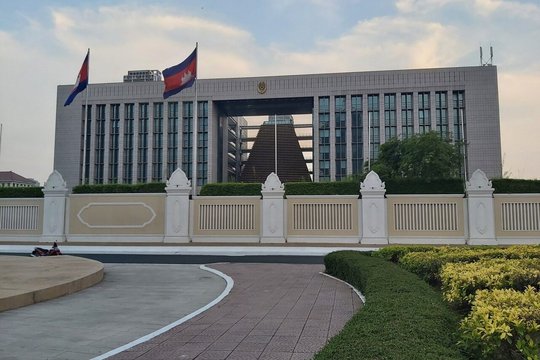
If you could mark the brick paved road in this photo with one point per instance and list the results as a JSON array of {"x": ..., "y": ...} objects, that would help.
[{"x": 275, "y": 311}]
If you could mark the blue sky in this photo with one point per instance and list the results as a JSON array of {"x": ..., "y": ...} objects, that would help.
[{"x": 43, "y": 43}]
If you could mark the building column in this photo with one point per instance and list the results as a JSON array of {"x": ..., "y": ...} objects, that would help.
[
  {"x": 55, "y": 194},
  {"x": 273, "y": 210},
  {"x": 480, "y": 210}
]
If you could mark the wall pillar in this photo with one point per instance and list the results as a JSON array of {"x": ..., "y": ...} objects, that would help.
[
  {"x": 374, "y": 217},
  {"x": 480, "y": 210},
  {"x": 55, "y": 194},
  {"x": 177, "y": 208},
  {"x": 273, "y": 210}
]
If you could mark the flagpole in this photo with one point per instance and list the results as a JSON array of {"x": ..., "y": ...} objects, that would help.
[
  {"x": 83, "y": 180},
  {"x": 275, "y": 142},
  {"x": 195, "y": 144}
]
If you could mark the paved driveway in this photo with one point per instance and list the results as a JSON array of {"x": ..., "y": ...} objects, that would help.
[{"x": 274, "y": 311}]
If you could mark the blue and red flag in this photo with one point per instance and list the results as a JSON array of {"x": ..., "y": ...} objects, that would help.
[
  {"x": 181, "y": 76},
  {"x": 82, "y": 81}
]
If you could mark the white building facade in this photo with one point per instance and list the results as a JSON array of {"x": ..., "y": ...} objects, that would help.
[{"x": 134, "y": 136}]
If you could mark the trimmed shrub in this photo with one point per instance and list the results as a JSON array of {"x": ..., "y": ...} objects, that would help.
[
  {"x": 460, "y": 282},
  {"x": 428, "y": 264},
  {"x": 21, "y": 192},
  {"x": 503, "y": 324},
  {"x": 403, "y": 318},
  {"x": 516, "y": 186},
  {"x": 231, "y": 189},
  {"x": 119, "y": 188},
  {"x": 424, "y": 186},
  {"x": 323, "y": 188},
  {"x": 394, "y": 253}
]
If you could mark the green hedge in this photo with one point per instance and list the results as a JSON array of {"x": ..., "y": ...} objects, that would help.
[
  {"x": 323, "y": 188},
  {"x": 403, "y": 318},
  {"x": 516, "y": 186},
  {"x": 21, "y": 192},
  {"x": 423, "y": 186},
  {"x": 231, "y": 189},
  {"x": 119, "y": 188},
  {"x": 394, "y": 253}
]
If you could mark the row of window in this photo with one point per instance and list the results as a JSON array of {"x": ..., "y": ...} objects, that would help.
[
  {"x": 390, "y": 108},
  {"x": 128, "y": 151}
]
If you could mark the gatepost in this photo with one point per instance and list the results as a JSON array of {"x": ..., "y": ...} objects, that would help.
[
  {"x": 55, "y": 194},
  {"x": 480, "y": 210},
  {"x": 177, "y": 208},
  {"x": 272, "y": 215},
  {"x": 374, "y": 218}
]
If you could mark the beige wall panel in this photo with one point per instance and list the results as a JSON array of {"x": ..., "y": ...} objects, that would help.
[
  {"x": 517, "y": 215},
  {"x": 227, "y": 216},
  {"x": 425, "y": 215},
  {"x": 20, "y": 216},
  {"x": 142, "y": 214},
  {"x": 322, "y": 216}
]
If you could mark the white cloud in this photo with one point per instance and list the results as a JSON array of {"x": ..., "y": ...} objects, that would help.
[{"x": 123, "y": 38}]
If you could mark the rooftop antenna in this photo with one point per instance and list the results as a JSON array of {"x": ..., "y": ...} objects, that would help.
[{"x": 489, "y": 62}]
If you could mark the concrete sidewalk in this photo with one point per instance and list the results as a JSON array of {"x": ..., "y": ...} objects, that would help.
[{"x": 132, "y": 301}]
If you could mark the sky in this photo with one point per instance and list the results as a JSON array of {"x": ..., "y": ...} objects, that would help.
[{"x": 43, "y": 43}]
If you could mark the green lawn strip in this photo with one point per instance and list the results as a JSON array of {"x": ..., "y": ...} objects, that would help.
[{"x": 403, "y": 318}]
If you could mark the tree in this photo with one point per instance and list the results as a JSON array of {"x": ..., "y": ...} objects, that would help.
[{"x": 426, "y": 156}]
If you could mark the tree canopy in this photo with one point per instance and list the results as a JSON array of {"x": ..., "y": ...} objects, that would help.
[{"x": 423, "y": 155}]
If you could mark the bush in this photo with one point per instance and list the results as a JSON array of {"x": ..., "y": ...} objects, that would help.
[
  {"x": 460, "y": 282},
  {"x": 394, "y": 253},
  {"x": 119, "y": 188},
  {"x": 503, "y": 324},
  {"x": 516, "y": 186},
  {"x": 403, "y": 318},
  {"x": 323, "y": 188},
  {"x": 21, "y": 192},
  {"x": 423, "y": 186},
  {"x": 428, "y": 264},
  {"x": 231, "y": 189}
]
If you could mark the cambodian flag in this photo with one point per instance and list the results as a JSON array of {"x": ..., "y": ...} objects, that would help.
[
  {"x": 181, "y": 76},
  {"x": 82, "y": 81}
]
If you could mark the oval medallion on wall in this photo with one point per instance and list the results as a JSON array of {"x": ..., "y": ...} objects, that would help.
[{"x": 261, "y": 87}]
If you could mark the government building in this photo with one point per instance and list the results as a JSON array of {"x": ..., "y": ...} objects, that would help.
[{"x": 134, "y": 136}]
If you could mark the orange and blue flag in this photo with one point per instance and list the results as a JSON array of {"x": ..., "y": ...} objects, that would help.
[
  {"x": 82, "y": 81},
  {"x": 181, "y": 76}
]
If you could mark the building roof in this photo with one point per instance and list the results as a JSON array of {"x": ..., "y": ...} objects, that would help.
[{"x": 10, "y": 176}]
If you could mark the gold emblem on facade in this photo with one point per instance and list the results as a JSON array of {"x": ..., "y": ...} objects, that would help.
[{"x": 261, "y": 87}]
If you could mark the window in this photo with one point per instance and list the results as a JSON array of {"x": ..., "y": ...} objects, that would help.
[
  {"x": 424, "y": 108},
  {"x": 324, "y": 138},
  {"x": 340, "y": 137},
  {"x": 357, "y": 134},
  {"x": 441, "y": 113},
  {"x": 407, "y": 127},
  {"x": 100, "y": 144},
  {"x": 202, "y": 143},
  {"x": 187, "y": 136},
  {"x": 86, "y": 149},
  {"x": 114, "y": 133},
  {"x": 142, "y": 157},
  {"x": 128, "y": 144},
  {"x": 459, "y": 114},
  {"x": 390, "y": 125},
  {"x": 157, "y": 137},
  {"x": 374, "y": 127},
  {"x": 172, "y": 138}
]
